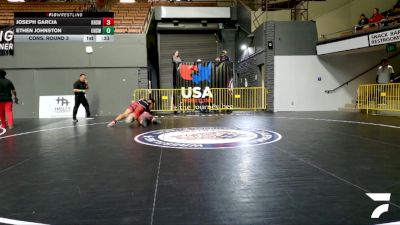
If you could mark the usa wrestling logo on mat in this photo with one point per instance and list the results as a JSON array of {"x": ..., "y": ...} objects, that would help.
[{"x": 207, "y": 137}]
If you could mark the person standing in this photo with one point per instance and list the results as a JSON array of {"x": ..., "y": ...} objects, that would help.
[
  {"x": 176, "y": 60},
  {"x": 384, "y": 76},
  {"x": 224, "y": 56},
  {"x": 385, "y": 72},
  {"x": 7, "y": 90},
  {"x": 81, "y": 86}
]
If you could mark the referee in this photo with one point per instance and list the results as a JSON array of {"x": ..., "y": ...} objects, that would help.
[{"x": 80, "y": 88}]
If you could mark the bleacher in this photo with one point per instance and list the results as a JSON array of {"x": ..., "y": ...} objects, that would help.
[
  {"x": 392, "y": 20},
  {"x": 129, "y": 18},
  {"x": 7, "y": 9}
]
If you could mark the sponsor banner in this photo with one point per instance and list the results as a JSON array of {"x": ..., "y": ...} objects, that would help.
[
  {"x": 7, "y": 41},
  {"x": 58, "y": 106},
  {"x": 385, "y": 37}
]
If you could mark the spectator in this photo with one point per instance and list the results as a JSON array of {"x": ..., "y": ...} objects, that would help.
[
  {"x": 376, "y": 17},
  {"x": 176, "y": 60},
  {"x": 384, "y": 76},
  {"x": 362, "y": 22},
  {"x": 385, "y": 72},
  {"x": 7, "y": 90},
  {"x": 224, "y": 56}
]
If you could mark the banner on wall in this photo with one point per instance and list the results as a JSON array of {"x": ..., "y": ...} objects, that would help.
[
  {"x": 202, "y": 74},
  {"x": 58, "y": 106},
  {"x": 6, "y": 41},
  {"x": 385, "y": 37}
]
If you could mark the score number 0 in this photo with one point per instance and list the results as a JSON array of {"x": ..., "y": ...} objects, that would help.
[{"x": 108, "y": 25}]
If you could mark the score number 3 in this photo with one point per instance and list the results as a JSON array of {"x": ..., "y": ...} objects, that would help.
[{"x": 108, "y": 21}]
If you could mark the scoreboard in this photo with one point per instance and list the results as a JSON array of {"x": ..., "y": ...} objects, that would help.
[{"x": 63, "y": 26}]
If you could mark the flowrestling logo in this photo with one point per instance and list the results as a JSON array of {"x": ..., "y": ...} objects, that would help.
[
  {"x": 207, "y": 137},
  {"x": 379, "y": 197}
]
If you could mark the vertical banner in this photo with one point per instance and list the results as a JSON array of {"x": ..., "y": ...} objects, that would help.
[
  {"x": 6, "y": 41},
  {"x": 202, "y": 74},
  {"x": 196, "y": 80},
  {"x": 58, "y": 106}
]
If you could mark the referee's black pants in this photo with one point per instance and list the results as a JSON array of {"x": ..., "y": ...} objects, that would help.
[{"x": 80, "y": 99}]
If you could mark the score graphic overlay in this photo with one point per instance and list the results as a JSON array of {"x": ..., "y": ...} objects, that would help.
[{"x": 63, "y": 27}]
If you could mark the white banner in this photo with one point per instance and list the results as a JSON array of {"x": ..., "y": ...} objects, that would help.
[
  {"x": 7, "y": 41},
  {"x": 385, "y": 37},
  {"x": 343, "y": 45},
  {"x": 58, "y": 106},
  {"x": 175, "y": 12}
]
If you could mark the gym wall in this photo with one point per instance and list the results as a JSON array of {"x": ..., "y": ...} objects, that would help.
[{"x": 114, "y": 71}]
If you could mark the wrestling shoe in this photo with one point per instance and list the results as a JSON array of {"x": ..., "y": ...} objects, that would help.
[{"x": 112, "y": 123}]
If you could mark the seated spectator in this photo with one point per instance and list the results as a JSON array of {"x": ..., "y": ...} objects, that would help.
[
  {"x": 363, "y": 21},
  {"x": 376, "y": 17}
]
